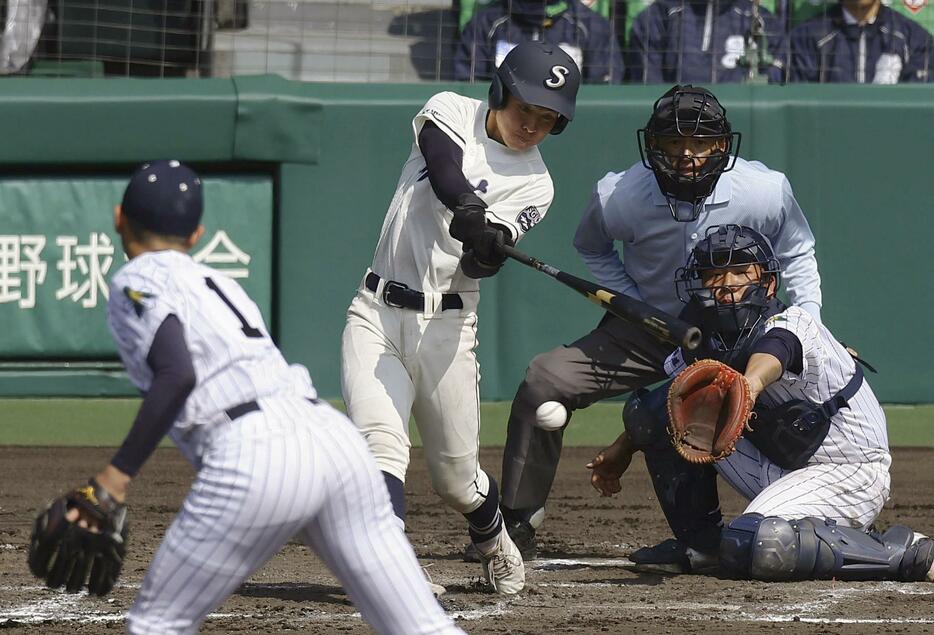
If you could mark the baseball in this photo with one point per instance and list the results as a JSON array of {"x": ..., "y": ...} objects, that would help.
[{"x": 551, "y": 415}]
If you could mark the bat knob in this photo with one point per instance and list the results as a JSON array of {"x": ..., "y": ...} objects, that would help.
[{"x": 692, "y": 338}]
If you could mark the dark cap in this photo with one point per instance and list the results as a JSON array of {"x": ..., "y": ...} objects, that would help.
[{"x": 164, "y": 197}]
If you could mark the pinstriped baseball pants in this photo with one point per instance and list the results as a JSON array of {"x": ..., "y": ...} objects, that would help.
[
  {"x": 852, "y": 494},
  {"x": 290, "y": 469}
]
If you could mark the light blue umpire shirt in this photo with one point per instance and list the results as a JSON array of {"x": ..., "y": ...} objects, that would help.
[{"x": 629, "y": 208}]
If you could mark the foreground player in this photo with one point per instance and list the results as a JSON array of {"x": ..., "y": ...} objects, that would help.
[
  {"x": 815, "y": 465},
  {"x": 636, "y": 232},
  {"x": 272, "y": 461},
  {"x": 473, "y": 180}
]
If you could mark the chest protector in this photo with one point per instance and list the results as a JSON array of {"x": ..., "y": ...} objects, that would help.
[{"x": 790, "y": 432}]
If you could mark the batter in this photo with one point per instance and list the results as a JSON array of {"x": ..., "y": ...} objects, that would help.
[{"x": 474, "y": 180}]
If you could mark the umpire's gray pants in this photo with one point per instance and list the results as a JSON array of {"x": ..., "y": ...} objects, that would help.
[{"x": 613, "y": 359}]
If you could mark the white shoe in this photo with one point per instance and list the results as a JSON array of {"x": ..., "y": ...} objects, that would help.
[
  {"x": 436, "y": 589},
  {"x": 502, "y": 565}
]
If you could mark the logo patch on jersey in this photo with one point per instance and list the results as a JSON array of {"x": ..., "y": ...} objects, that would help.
[
  {"x": 481, "y": 186},
  {"x": 137, "y": 297},
  {"x": 558, "y": 77},
  {"x": 529, "y": 218}
]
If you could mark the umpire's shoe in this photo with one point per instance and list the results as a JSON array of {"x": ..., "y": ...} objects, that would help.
[
  {"x": 502, "y": 564},
  {"x": 673, "y": 556},
  {"x": 522, "y": 534}
]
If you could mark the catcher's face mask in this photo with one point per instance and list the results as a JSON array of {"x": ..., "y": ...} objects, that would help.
[
  {"x": 731, "y": 276},
  {"x": 688, "y": 143}
]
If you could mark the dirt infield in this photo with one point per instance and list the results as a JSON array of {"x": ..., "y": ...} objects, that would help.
[{"x": 580, "y": 584}]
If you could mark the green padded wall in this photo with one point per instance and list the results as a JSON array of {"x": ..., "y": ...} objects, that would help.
[{"x": 857, "y": 157}]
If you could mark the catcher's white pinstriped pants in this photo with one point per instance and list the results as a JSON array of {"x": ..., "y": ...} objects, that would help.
[
  {"x": 852, "y": 494},
  {"x": 291, "y": 468}
]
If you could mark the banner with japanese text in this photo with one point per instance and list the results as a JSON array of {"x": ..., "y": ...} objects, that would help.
[{"x": 58, "y": 251}]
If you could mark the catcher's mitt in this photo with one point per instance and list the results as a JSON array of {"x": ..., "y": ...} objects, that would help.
[
  {"x": 708, "y": 407},
  {"x": 62, "y": 552}
]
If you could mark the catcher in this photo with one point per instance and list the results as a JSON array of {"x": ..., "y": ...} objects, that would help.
[{"x": 813, "y": 458}]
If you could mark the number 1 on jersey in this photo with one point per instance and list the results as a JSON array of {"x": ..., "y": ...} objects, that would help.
[{"x": 249, "y": 331}]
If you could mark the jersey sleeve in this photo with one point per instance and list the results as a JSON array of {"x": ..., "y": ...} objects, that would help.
[
  {"x": 452, "y": 113},
  {"x": 524, "y": 208},
  {"x": 794, "y": 248},
  {"x": 138, "y": 305},
  {"x": 802, "y": 325},
  {"x": 595, "y": 238}
]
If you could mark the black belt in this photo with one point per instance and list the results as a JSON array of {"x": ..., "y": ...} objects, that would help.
[
  {"x": 251, "y": 406},
  {"x": 401, "y": 296},
  {"x": 243, "y": 409}
]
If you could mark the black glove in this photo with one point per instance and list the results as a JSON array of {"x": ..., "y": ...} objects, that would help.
[
  {"x": 485, "y": 257},
  {"x": 64, "y": 553},
  {"x": 473, "y": 268},
  {"x": 488, "y": 246},
  {"x": 469, "y": 219}
]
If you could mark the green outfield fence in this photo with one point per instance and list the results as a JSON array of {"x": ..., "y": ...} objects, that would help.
[{"x": 859, "y": 159}]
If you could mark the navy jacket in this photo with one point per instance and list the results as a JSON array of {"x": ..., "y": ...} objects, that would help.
[
  {"x": 697, "y": 41},
  {"x": 583, "y": 34},
  {"x": 892, "y": 49}
]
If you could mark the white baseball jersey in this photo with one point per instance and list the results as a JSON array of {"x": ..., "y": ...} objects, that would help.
[
  {"x": 234, "y": 358},
  {"x": 289, "y": 467},
  {"x": 414, "y": 246},
  {"x": 847, "y": 478}
]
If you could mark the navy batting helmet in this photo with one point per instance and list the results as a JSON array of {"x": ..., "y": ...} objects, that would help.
[
  {"x": 164, "y": 197},
  {"x": 688, "y": 111},
  {"x": 725, "y": 247},
  {"x": 540, "y": 74}
]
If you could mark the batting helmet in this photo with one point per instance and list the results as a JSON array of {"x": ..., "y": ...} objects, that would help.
[
  {"x": 164, "y": 197},
  {"x": 725, "y": 247},
  {"x": 688, "y": 111},
  {"x": 540, "y": 74}
]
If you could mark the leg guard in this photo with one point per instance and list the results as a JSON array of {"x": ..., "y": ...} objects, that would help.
[
  {"x": 918, "y": 561},
  {"x": 775, "y": 549},
  {"x": 645, "y": 418},
  {"x": 687, "y": 492}
]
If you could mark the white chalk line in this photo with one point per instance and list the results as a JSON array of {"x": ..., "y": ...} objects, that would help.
[
  {"x": 59, "y": 607},
  {"x": 557, "y": 564}
]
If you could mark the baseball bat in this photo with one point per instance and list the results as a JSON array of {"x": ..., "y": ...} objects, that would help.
[{"x": 660, "y": 325}]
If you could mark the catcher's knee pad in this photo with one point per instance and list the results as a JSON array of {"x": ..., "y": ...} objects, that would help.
[
  {"x": 645, "y": 417},
  {"x": 736, "y": 545},
  {"x": 774, "y": 549}
]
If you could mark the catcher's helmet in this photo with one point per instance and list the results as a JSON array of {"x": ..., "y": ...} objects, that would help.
[
  {"x": 540, "y": 74},
  {"x": 688, "y": 111},
  {"x": 164, "y": 197},
  {"x": 725, "y": 247}
]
